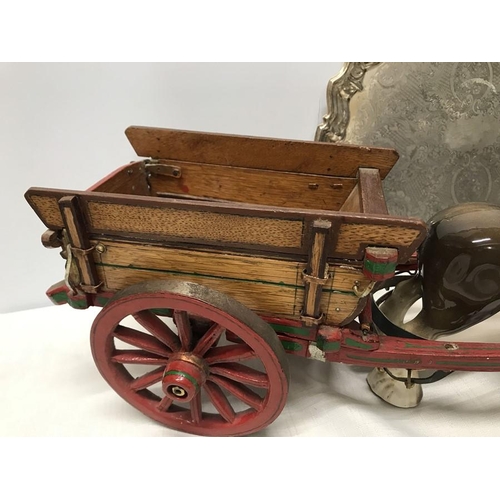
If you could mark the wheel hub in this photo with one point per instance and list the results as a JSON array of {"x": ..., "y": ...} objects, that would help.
[{"x": 183, "y": 377}]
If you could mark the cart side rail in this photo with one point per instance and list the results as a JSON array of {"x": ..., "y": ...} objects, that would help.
[{"x": 239, "y": 227}]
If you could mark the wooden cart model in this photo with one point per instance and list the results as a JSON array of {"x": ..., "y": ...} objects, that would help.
[{"x": 219, "y": 254}]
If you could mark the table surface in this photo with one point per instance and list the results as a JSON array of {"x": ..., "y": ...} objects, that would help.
[{"x": 51, "y": 387}]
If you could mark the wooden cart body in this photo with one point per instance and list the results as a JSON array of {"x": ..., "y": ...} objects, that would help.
[
  {"x": 298, "y": 232},
  {"x": 271, "y": 204}
]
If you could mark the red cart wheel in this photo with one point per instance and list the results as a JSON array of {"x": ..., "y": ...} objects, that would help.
[{"x": 195, "y": 385}]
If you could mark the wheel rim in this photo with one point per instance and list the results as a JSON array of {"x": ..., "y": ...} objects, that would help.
[{"x": 187, "y": 381}]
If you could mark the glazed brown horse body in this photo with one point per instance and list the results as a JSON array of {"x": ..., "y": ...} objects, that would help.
[{"x": 459, "y": 273}]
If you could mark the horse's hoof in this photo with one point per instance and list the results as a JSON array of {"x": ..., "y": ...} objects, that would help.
[{"x": 393, "y": 391}]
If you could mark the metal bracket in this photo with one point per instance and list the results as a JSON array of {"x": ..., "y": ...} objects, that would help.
[
  {"x": 361, "y": 294},
  {"x": 81, "y": 251},
  {"x": 90, "y": 288},
  {"x": 314, "y": 279},
  {"x": 156, "y": 168},
  {"x": 312, "y": 321},
  {"x": 76, "y": 252},
  {"x": 409, "y": 380}
]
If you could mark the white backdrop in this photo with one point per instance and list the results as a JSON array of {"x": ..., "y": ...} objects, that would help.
[{"x": 61, "y": 126}]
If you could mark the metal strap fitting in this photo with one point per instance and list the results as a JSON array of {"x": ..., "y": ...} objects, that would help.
[
  {"x": 315, "y": 279},
  {"x": 435, "y": 377},
  {"x": 361, "y": 294},
  {"x": 310, "y": 320},
  {"x": 90, "y": 288},
  {"x": 80, "y": 252}
]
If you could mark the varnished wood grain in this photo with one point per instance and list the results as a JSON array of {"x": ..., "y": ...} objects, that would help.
[
  {"x": 371, "y": 193},
  {"x": 256, "y": 152},
  {"x": 129, "y": 179},
  {"x": 47, "y": 209},
  {"x": 280, "y": 229},
  {"x": 255, "y": 186},
  {"x": 353, "y": 238},
  {"x": 316, "y": 268},
  {"x": 269, "y": 286},
  {"x": 353, "y": 201},
  {"x": 262, "y": 298},
  {"x": 193, "y": 262},
  {"x": 222, "y": 264},
  {"x": 194, "y": 224},
  {"x": 77, "y": 235}
]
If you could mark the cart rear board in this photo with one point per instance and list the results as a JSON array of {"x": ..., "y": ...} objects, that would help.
[{"x": 281, "y": 226}]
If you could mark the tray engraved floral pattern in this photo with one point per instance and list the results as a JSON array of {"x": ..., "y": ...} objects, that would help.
[{"x": 443, "y": 119}]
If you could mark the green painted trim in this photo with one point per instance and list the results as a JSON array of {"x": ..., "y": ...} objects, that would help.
[
  {"x": 328, "y": 346},
  {"x": 413, "y": 346},
  {"x": 225, "y": 278},
  {"x": 380, "y": 267},
  {"x": 182, "y": 374},
  {"x": 295, "y": 330},
  {"x": 291, "y": 346},
  {"x": 355, "y": 343},
  {"x": 61, "y": 298}
]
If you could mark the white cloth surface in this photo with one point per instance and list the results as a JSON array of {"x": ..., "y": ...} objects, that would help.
[{"x": 51, "y": 387}]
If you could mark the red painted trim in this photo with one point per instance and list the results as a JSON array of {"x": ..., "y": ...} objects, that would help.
[
  {"x": 420, "y": 354},
  {"x": 68, "y": 297},
  {"x": 377, "y": 277},
  {"x": 381, "y": 260}
]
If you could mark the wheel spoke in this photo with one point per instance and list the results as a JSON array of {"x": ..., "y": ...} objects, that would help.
[
  {"x": 209, "y": 339},
  {"x": 141, "y": 340},
  {"x": 241, "y": 373},
  {"x": 147, "y": 379},
  {"x": 154, "y": 325},
  {"x": 165, "y": 403},
  {"x": 219, "y": 400},
  {"x": 195, "y": 405},
  {"x": 228, "y": 354},
  {"x": 184, "y": 329},
  {"x": 240, "y": 391},
  {"x": 135, "y": 357}
]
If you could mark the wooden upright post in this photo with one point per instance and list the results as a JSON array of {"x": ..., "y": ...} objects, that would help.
[
  {"x": 74, "y": 223},
  {"x": 316, "y": 273}
]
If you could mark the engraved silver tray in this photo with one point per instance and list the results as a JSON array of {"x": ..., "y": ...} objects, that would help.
[{"x": 442, "y": 118}]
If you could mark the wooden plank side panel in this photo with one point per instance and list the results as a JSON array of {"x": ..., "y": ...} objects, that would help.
[
  {"x": 220, "y": 264},
  {"x": 268, "y": 286},
  {"x": 192, "y": 263},
  {"x": 256, "y": 152},
  {"x": 338, "y": 307},
  {"x": 262, "y": 298},
  {"x": 354, "y": 238},
  {"x": 283, "y": 189},
  {"x": 208, "y": 226}
]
